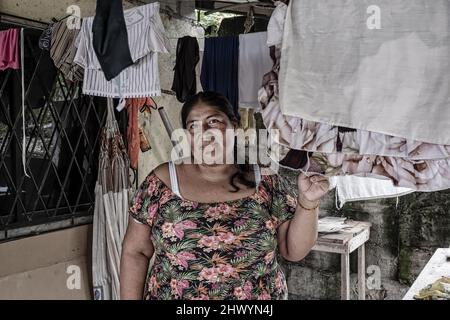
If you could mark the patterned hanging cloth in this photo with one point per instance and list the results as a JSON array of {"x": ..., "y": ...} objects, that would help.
[
  {"x": 111, "y": 210},
  {"x": 110, "y": 40}
]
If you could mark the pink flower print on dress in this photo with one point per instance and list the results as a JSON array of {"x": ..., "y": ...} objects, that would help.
[
  {"x": 226, "y": 237},
  {"x": 239, "y": 293},
  {"x": 279, "y": 283},
  {"x": 264, "y": 296},
  {"x": 209, "y": 274},
  {"x": 248, "y": 289},
  {"x": 153, "y": 284},
  {"x": 181, "y": 285},
  {"x": 239, "y": 253},
  {"x": 220, "y": 211},
  {"x": 269, "y": 257},
  {"x": 183, "y": 258},
  {"x": 209, "y": 243},
  {"x": 181, "y": 226},
  {"x": 178, "y": 286},
  {"x": 215, "y": 286},
  {"x": 152, "y": 210},
  {"x": 226, "y": 270},
  {"x": 239, "y": 222},
  {"x": 152, "y": 187},
  {"x": 137, "y": 203},
  {"x": 225, "y": 209},
  {"x": 291, "y": 201},
  {"x": 212, "y": 214},
  {"x": 189, "y": 204},
  {"x": 167, "y": 229},
  {"x": 270, "y": 225},
  {"x": 165, "y": 197},
  {"x": 201, "y": 297},
  {"x": 261, "y": 196}
]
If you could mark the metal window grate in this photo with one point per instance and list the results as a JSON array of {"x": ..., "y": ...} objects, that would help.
[{"x": 62, "y": 142}]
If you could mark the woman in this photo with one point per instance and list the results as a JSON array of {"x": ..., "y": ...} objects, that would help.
[{"x": 216, "y": 230}]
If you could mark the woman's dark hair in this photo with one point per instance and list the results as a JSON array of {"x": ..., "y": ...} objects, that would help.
[{"x": 221, "y": 103}]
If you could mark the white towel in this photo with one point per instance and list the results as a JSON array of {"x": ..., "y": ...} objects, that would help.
[
  {"x": 355, "y": 188},
  {"x": 276, "y": 25},
  {"x": 254, "y": 63}
]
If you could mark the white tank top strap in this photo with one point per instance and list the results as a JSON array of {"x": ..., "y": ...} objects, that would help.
[{"x": 174, "y": 179}]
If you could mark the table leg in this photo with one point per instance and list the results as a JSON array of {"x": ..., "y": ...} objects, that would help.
[
  {"x": 345, "y": 276},
  {"x": 362, "y": 272}
]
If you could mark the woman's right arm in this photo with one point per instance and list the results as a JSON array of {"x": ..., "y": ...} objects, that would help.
[{"x": 137, "y": 250}]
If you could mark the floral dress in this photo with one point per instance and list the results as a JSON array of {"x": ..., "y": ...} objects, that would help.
[{"x": 224, "y": 250}]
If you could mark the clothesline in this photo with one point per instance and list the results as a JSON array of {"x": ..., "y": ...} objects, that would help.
[{"x": 169, "y": 92}]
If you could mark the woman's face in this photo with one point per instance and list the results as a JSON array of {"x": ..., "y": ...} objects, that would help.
[{"x": 212, "y": 135}]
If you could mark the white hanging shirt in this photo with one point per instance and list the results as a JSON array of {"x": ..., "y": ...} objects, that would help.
[
  {"x": 254, "y": 63},
  {"x": 146, "y": 37},
  {"x": 275, "y": 27}
]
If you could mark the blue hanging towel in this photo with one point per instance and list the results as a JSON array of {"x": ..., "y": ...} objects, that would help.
[{"x": 220, "y": 68}]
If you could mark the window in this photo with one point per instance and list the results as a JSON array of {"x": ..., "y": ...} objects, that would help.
[{"x": 62, "y": 131}]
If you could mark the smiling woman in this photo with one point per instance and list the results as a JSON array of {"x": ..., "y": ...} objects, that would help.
[{"x": 216, "y": 229}]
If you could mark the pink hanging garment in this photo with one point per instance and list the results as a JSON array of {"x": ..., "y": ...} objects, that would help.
[{"x": 9, "y": 49}]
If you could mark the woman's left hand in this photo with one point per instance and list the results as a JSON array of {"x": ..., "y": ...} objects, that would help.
[{"x": 312, "y": 187}]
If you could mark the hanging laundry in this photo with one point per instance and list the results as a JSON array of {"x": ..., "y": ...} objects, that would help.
[
  {"x": 342, "y": 68},
  {"x": 417, "y": 175},
  {"x": 40, "y": 72},
  {"x": 254, "y": 62},
  {"x": 276, "y": 25},
  {"x": 45, "y": 40},
  {"x": 354, "y": 188},
  {"x": 220, "y": 68},
  {"x": 133, "y": 135},
  {"x": 301, "y": 134},
  {"x": 63, "y": 50},
  {"x": 110, "y": 38},
  {"x": 338, "y": 151},
  {"x": 9, "y": 49},
  {"x": 188, "y": 56},
  {"x": 198, "y": 67},
  {"x": 146, "y": 37},
  {"x": 110, "y": 212}
]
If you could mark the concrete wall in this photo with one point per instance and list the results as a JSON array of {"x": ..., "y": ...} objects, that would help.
[
  {"x": 41, "y": 267},
  {"x": 403, "y": 239}
]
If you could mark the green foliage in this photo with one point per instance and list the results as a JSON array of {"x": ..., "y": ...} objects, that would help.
[{"x": 211, "y": 22}]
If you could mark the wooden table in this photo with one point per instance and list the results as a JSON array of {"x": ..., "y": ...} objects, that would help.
[
  {"x": 437, "y": 267},
  {"x": 353, "y": 236}
]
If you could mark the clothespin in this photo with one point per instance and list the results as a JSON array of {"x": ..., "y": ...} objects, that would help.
[{"x": 121, "y": 105}]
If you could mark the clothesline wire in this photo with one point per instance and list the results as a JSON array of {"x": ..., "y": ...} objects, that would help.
[{"x": 169, "y": 92}]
